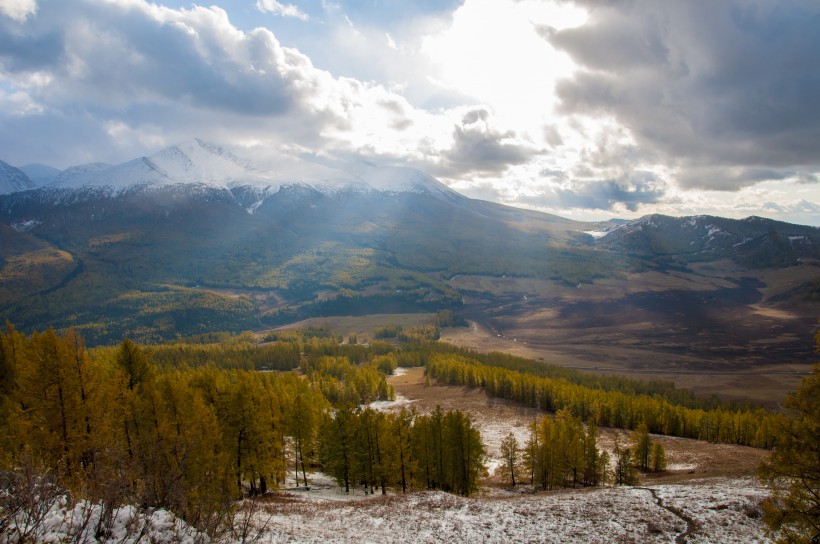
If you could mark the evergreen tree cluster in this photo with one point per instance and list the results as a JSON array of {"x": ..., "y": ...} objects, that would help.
[
  {"x": 609, "y": 408},
  {"x": 442, "y": 450},
  {"x": 114, "y": 427},
  {"x": 563, "y": 452}
]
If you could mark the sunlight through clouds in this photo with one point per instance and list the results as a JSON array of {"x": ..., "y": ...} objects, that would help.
[
  {"x": 567, "y": 107},
  {"x": 494, "y": 53}
]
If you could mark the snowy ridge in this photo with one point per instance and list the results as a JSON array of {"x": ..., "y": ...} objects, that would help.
[
  {"x": 73, "y": 172},
  {"x": 755, "y": 240},
  {"x": 13, "y": 179},
  {"x": 208, "y": 166},
  {"x": 40, "y": 174}
]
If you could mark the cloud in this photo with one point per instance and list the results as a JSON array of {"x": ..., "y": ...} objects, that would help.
[
  {"x": 725, "y": 84},
  {"x": 19, "y": 10},
  {"x": 285, "y": 10},
  {"x": 554, "y": 104},
  {"x": 628, "y": 192},
  {"x": 480, "y": 149},
  {"x": 162, "y": 74},
  {"x": 731, "y": 178}
]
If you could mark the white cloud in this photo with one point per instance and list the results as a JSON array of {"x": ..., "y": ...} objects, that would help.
[
  {"x": 285, "y": 10},
  {"x": 487, "y": 97},
  {"x": 493, "y": 52},
  {"x": 19, "y": 10}
]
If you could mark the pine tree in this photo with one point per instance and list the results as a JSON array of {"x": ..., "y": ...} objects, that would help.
[
  {"x": 625, "y": 471},
  {"x": 658, "y": 461},
  {"x": 401, "y": 428},
  {"x": 133, "y": 362},
  {"x": 510, "y": 454},
  {"x": 642, "y": 447},
  {"x": 337, "y": 446},
  {"x": 793, "y": 470}
]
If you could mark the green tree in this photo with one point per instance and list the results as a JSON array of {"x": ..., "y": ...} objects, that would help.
[
  {"x": 658, "y": 461},
  {"x": 625, "y": 471},
  {"x": 337, "y": 446},
  {"x": 510, "y": 454},
  {"x": 401, "y": 426},
  {"x": 642, "y": 447},
  {"x": 133, "y": 361},
  {"x": 302, "y": 419},
  {"x": 792, "y": 472}
]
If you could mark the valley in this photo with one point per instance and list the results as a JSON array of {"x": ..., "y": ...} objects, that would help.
[{"x": 711, "y": 329}]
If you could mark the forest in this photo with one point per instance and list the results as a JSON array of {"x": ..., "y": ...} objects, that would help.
[{"x": 194, "y": 426}]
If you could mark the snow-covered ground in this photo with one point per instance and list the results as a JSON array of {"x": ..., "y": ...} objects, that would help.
[
  {"x": 724, "y": 505},
  {"x": 723, "y": 510},
  {"x": 719, "y": 510},
  {"x": 80, "y": 522}
]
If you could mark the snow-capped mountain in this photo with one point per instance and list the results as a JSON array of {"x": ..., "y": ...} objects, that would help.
[
  {"x": 754, "y": 239},
  {"x": 206, "y": 165},
  {"x": 40, "y": 174},
  {"x": 13, "y": 179}
]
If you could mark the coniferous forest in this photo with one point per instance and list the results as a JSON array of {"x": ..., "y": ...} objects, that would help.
[{"x": 193, "y": 427}]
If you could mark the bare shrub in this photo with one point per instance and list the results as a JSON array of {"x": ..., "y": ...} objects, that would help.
[{"x": 27, "y": 495}]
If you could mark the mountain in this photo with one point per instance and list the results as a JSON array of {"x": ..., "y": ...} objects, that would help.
[
  {"x": 755, "y": 240},
  {"x": 196, "y": 238},
  {"x": 40, "y": 174},
  {"x": 13, "y": 179},
  {"x": 208, "y": 166}
]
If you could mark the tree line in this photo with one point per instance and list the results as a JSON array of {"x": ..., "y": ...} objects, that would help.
[
  {"x": 610, "y": 408},
  {"x": 113, "y": 427}
]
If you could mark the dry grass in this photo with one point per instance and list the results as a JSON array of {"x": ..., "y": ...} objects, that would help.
[
  {"x": 619, "y": 350},
  {"x": 687, "y": 459},
  {"x": 703, "y": 329},
  {"x": 361, "y": 325}
]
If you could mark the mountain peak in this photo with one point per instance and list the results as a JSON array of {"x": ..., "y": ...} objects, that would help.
[
  {"x": 13, "y": 179},
  {"x": 207, "y": 165}
]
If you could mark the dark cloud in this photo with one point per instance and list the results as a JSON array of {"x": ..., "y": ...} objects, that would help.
[
  {"x": 480, "y": 149},
  {"x": 721, "y": 178},
  {"x": 719, "y": 84},
  {"x": 24, "y": 52},
  {"x": 630, "y": 192}
]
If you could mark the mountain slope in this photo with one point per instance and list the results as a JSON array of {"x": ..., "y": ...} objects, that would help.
[
  {"x": 40, "y": 174},
  {"x": 13, "y": 179},
  {"x": 195, "y": 238},
  {"x": 754, "y": 241},
  {"x": 210, "y": 166}
]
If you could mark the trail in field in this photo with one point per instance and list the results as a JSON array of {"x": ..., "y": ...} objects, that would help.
[{"x": 680, "y": 538}]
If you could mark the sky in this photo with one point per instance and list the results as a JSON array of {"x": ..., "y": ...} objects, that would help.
[{"x": 586, "y": 109}]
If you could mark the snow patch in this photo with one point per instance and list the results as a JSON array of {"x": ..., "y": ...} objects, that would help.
[
  {"x": 391, "y": 405},
  {"x": 26, "y": 225}
]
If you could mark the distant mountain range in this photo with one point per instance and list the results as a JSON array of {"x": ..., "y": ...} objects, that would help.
[
  {"x": 195, "y": 239},
  {"x": 205, "y": 165}
]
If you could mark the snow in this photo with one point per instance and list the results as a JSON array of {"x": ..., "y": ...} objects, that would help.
[
  {"x": 680, "y": 467},
  {"x": 391, "y": 405},
  {"x": 78, "y": 522},
  {"x": 40, "y": 174},
  {"x": 723, "y": 510},
  {"x": 24, "y": 226},
  {"x": 13, "y": 179},
  {"x": 200, "y": 163},
  {"x": 597, "y": 233}
]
